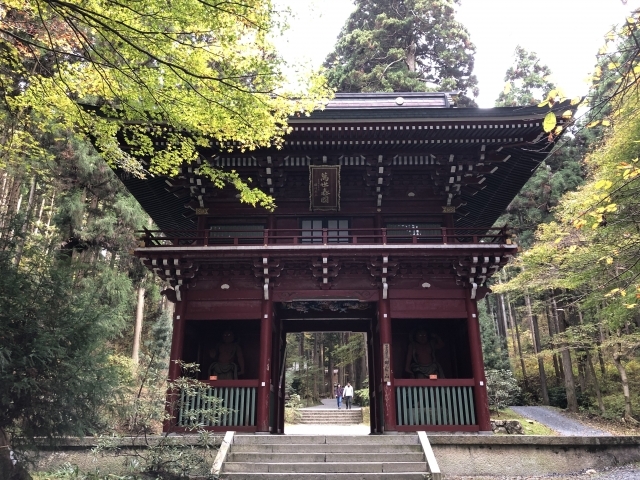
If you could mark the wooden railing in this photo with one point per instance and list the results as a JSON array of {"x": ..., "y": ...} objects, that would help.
[
  {"x": 324, "y": 236},
  {"x": 237, "y": 398},
  {"x": 435, "y": 402}
]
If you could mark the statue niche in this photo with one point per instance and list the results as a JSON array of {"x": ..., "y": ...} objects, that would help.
[
  {"x": 228, "y": 362},
  {"x": 421, "y": 360}
]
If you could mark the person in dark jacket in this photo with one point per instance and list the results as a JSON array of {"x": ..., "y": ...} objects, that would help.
[{"x": 339, "y": 392}]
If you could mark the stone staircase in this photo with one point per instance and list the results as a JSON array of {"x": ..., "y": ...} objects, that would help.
[
  {"x": 330, "y": 417},
  {"x": 293, "y": 457}
]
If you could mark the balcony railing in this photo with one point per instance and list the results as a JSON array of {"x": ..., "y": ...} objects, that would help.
[{"x": 324, "y": 236}]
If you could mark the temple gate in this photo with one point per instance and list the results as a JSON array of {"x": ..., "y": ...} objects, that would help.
[{"x": 383, "y": 226}]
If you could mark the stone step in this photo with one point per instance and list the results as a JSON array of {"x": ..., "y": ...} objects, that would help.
[
  {"x": 325, "y": 467},
  {"x": 330, "y": 421},
  {"x": 410, "y": 439},
  {"x": 332, "y": 413},
  {"x": 330, "y": 457},
  {"x": 326, "y": 448},
  {"x": 421, "y": 475}
]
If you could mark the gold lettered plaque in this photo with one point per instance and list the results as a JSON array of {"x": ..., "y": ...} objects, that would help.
[
  {"x": 324, "y": 187},
  {"x": 386, "y": 363}
]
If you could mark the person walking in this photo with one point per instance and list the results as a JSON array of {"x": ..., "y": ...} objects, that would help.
[
  {"x": 339, "y": 393},
  {"x": 348, "y": 396}
]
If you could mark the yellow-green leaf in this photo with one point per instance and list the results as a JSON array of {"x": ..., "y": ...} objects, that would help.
[
  {"x": 567, "y": 114},
  {"x": 507, "y": 88},
  {"x": 549, "y": 122},
  {"x": 606, "y": 123}
]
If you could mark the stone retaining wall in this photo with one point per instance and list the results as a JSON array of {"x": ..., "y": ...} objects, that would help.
[
  {"x": 512, "y": 455},
  {"x": 457, "y": 455}
]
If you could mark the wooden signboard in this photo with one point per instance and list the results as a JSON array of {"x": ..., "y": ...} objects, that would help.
[
  {"x": 324, "y": 188},
  {"x": 386, "y": 363}
]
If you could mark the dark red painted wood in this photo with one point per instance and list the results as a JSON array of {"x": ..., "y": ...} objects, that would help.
[
  {"x": 223, "y": 310},
  {"x": 444, "y": 382},
  {"x": 434, "y": 308},
  {"x": 262, "y": 408},
  {"x": 389, "y": 399},
  {"x": 232, "y": 383},
  {"x": 177, "y": 342},
  {"x": 477, "y": 365}
]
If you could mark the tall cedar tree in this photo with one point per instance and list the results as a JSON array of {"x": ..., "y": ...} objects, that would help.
[
  {"x": 403, "y": 46},
  {"x": 527, "y": 81}
]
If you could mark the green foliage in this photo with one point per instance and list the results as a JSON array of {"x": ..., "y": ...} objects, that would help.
[
  {"x": 403, "y": 46},
  {"x": 502, "y": 388},
  {"x": 199, "y": 74},
  {"x": 55, "y": 365},
  {"x": 527, "y": 82},
  {"x": 494, "y": 352},
  {"x": 292, "y": 409},
  {"x": 361, "y": 397}
]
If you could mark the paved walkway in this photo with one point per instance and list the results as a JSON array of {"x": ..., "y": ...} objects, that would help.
[
  {"x": 554, "y": 419},
  {"x": 329, "y": 404}
]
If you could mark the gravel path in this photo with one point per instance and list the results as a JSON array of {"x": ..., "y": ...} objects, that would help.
[{"x": 558, "y": 422}]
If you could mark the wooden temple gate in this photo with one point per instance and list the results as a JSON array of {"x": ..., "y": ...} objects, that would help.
[{"x": 385, "y": 205}]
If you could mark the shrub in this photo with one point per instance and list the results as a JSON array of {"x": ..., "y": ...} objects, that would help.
[{"x": 502, "y": 388}]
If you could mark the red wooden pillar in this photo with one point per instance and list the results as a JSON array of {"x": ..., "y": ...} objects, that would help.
[
  {"x": 177, "y": 339},
  {"x": 177, "y": 342},
  {"x": 386, "y": 372},
  {"x": 477, "y": 365},
  {"x": 264, "y": 389}
]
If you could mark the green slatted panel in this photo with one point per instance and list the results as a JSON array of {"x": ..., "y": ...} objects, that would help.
[
  {"x": 460, "y": 405},
  {"x": 249, "y": 407},
  {"x": 414, "y": 411},
  {"x": 398, "y": 406},
  {"x": 422, "y": 405},
  {"x": 456, "y": 410},
  {"x": 466, "y": 406},
  {"x": 472, "y": 407},
  {"x": 234, "y": 403},
  {"x": 216, "y": 393},
  {"x": 404, "y": 407},
  {"x": 449, "y": 393},
  {"x": 432, "y": 407},
  {"x": 438, "y": 406},
  {"x": 241, "y": 408},
  {"x": 202, "y": 393},
  {"x": 253, "y": 406}
]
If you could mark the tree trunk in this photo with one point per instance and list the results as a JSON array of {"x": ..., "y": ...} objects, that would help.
[
  {"x": 603, "y": 370},
  {"x": 591, "y": 372},
  {"x": 137, "y": 331},
  {"x": 25, "y": 224},
  {"x": 510, "y": 327},
  {"x": 331, "y": 383},
  {"x": 363, "y": 363},
  {"x": 569, "y": 381},
  {"x": 552, "y": 332},
  {"x": 315, "y": 363},
  {"x": 535, "y": 337},
  {"x": 411, "y": 57},
  {"x": 9, "y": 470},
  {"x": 515, "y": 324},
  {"x": 617, "y": 360}
]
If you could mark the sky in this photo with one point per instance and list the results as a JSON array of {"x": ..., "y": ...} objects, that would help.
[{"x": 566, "y": 35}]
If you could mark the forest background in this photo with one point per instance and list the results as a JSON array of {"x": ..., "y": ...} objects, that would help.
[{"x": 563, "y": 318}]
